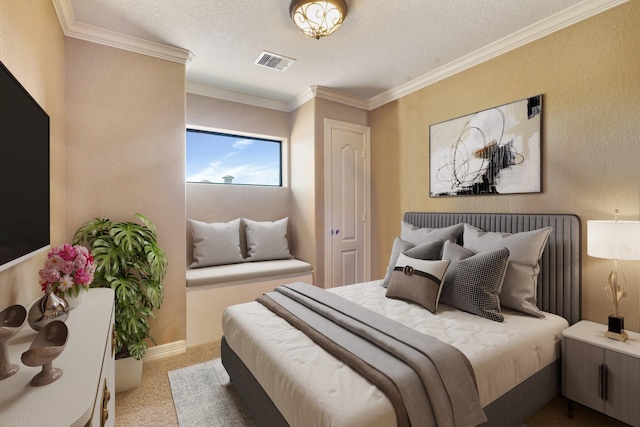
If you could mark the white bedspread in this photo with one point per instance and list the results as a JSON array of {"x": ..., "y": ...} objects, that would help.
[{"x": 311, "y": 387}]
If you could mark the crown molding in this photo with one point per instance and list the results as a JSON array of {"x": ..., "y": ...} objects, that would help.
[
  {"x": 559, "y": 21},
  {"x": 301, "y": 99},
  {"x": 232, "y": 96},
  {"x": 330, "y": 95},
  {"x": 566, "y": 18},
  {"x": 79, "y": 30},
  {"x": 309, "y": 94},
  {"x": 554, "y": 23},
  {"x": 342, "y": 98}
]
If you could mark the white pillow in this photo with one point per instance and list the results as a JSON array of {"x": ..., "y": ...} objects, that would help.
[
  {"x": 417, "y": 235},
  {"x": 267, "y": 240},
  {"x": 216, "y": 243},
  {"x": 519, "y": 288}
]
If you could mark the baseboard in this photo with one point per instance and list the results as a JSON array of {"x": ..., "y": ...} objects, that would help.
[{"x": 165, "y": 350}]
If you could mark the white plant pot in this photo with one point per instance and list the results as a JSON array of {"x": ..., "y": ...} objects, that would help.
[{"x": 128, "y": 374}]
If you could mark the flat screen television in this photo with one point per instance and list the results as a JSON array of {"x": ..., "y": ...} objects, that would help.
[{"x": 24, "y": 173}]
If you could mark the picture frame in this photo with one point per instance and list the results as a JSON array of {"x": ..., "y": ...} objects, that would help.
[{"x": 490, "y": 152}]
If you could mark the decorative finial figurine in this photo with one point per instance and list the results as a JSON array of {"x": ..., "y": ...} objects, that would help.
[{"x": 615, "y": 291}]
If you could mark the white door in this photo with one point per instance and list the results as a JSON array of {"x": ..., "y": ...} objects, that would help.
[{"x": 347, "y": 203}]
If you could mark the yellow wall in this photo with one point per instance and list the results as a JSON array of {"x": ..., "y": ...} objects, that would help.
[
  {"x": 588, "y": 75},
  {"x": 232, "y": 116},
  {"x": 302, "y": 183},
  {"x": 125, "y": 154},
  {"x": 32, "y": 48},
  {"x": 117, "y": 142}
]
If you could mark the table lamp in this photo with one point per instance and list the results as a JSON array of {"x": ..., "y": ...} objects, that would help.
[{"x": 616, "y": 240}]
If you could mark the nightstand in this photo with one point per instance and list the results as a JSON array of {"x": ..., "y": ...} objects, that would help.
[{"x": 601, "y": 373}]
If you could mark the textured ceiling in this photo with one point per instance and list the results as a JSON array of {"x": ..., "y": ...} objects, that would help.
[{"x": 382, "y": 45}]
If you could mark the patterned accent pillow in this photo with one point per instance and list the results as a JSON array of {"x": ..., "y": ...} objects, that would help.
[
  {"x": 474, "y": 281},
  {"x": 417, "y": 235},
  {"x": 216, "y": 243},
  {"x": 267, "y": 240},
  {"x": 419, "y": 281},
  {"x": 521, "y": 280},
  {"x": 429, "y": 250}
]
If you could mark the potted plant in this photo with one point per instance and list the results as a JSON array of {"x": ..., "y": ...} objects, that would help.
[{"x": 128, "y": 260}]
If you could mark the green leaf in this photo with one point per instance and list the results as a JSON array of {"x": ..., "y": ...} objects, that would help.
[
  {"x": 90, "y": 230},
  {"x": 129, "y": 260},
  {"x": 148, "y": 224}
]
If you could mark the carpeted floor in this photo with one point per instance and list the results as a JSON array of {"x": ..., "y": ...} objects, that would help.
[{"x": 151, "y": 405}]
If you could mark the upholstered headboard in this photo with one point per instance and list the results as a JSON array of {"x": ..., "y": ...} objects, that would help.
[{"x": 559, "y": 281}]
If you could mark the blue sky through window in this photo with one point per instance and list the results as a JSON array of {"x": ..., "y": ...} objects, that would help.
[{"x": 212, "y": 156}]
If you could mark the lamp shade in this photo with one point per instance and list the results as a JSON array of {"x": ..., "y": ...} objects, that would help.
[
  {"x": 614, "y": 239},
  {"x": 318, "y": 18}
]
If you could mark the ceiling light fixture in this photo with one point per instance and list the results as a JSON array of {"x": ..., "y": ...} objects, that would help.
[{"x": 318, "y": 18}]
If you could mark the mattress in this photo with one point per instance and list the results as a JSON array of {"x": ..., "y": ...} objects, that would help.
[{"x": 310, "y": 387}]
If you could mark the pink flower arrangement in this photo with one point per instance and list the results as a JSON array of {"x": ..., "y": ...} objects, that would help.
[{"x": 67, "y": 270}]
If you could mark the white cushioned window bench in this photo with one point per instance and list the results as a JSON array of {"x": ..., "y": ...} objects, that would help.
[{"x": 231, "y": 263}]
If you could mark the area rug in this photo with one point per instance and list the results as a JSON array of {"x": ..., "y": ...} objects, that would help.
[{"x": 204, "y": 396}]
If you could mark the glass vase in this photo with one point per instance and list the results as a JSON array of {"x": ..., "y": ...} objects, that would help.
[{"x": 46, "y": 309}]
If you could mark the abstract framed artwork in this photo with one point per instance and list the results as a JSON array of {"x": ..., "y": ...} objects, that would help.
[{"x": 494, "y": 151}]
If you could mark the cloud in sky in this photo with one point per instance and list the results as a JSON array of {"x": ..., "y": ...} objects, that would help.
[
  {"x": 242, "y": 144},
  {"x": 211, "y": 156}
]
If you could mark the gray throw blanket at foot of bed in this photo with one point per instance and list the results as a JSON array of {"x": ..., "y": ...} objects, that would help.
[{"x": 428, "y": 382}]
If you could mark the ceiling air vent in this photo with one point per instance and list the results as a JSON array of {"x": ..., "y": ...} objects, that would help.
[{"x": 273, "y": 61}]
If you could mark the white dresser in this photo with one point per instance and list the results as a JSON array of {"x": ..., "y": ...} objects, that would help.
[{"x": 84, "y": 395}]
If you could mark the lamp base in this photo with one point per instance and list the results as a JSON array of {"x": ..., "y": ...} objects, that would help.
[
  {"x": 616, "y": 329},
  {"x": 615, "y": 336}
]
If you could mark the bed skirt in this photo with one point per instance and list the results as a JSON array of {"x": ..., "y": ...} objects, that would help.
[{"x": 507, "y": 411}]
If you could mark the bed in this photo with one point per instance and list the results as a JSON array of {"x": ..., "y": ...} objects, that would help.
[{"x": 285, "y": 379}]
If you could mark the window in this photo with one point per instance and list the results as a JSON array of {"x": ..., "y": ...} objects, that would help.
[{"x": 221, "y": 158}]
